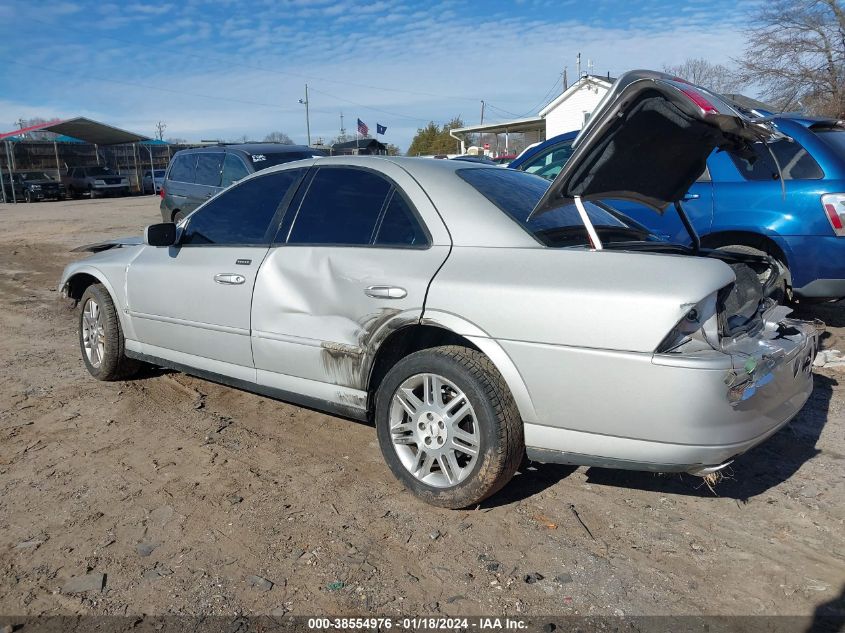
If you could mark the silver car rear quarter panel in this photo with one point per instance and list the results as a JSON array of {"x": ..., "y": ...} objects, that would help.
[{"x": 557, "y": 315}]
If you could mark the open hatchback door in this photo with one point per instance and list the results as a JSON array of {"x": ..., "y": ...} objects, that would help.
[{"x": 648, "y": 140}]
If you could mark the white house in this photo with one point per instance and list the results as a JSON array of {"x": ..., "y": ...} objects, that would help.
[
  {"x": 573, "y": 107},
  {"x": 568, "y": 112}
]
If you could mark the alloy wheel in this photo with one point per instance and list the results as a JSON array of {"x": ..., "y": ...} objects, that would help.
[
  {"x": 434, "y": 430},
  {"x": 93, "y": 333}
]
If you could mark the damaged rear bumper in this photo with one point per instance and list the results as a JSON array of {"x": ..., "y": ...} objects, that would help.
[{"x": 665, "y": 413}]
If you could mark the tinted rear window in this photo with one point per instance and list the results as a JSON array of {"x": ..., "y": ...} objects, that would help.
[
  {"x": 208, "y": 169},
  {"x": 517, "y": 193},
  {"x": 795, "y": 162},
  {"x": 183, "y": 168}
]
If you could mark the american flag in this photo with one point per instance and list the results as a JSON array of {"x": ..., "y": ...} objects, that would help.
[{"x": 363, "y": 130}]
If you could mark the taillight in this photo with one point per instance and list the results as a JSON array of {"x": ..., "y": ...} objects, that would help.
[
  {"x": 161, "y": 192},
  {"x": 834, "y": 208},
  {"x": 698, "y": 99}
]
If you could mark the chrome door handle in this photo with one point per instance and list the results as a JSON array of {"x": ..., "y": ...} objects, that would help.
[
  {"x": 386, "y": 292},
  {"x": 229, "y": 279}
]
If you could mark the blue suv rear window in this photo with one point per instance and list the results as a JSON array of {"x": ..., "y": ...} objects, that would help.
[{"x": 795, "y": 162}]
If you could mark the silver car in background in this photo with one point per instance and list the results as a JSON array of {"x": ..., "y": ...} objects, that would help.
[{"x": 475, "y": 314}]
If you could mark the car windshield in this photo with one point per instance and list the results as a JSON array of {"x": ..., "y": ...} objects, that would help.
[
  {"x": 99, "y": 171},
  {"x": 159, "y": 173},
  {"x": 263, "y": 161},
  {"x": 834, "y": 137},
  {"x": 517, "y": 193},
  {"x": 35, "y": 175}
]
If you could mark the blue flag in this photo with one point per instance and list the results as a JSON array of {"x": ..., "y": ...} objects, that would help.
[{"x": 380, "y": 129}]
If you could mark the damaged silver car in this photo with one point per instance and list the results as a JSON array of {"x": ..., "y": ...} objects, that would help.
[{"x": 475, "y": 314}]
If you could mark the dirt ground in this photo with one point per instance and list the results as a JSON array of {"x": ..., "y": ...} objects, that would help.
[{"x": 182, "y": 492}]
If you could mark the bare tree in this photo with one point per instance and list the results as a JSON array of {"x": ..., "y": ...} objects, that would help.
[
  {"x": 278, "y": 137},
  {"x": 718, "y": 78},
  {"x": 797, "y": 55}
]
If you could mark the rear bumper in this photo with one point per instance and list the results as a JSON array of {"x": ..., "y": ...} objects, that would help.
[
  {"x": 665, "y": 414},
  {"x": 817, "y": 265}
]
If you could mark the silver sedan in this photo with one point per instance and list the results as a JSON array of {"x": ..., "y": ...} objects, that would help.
[{"x": 473, "y": 313}]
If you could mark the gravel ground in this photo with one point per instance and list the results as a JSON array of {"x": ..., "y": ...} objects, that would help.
[{"x": 168, "y": 494}]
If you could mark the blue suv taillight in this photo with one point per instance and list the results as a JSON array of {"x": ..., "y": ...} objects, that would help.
[{"x": 834, "y": 208}]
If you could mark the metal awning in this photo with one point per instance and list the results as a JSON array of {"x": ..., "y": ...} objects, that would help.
[
  {"x": 84, "y": 129},
  {"x": 529, "y": 124}
]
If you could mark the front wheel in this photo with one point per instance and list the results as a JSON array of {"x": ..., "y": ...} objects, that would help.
[
  {"x": 448, "y": 426},
  {"x": 101, "y": 338},
  {"x": 27, "y": 196}
]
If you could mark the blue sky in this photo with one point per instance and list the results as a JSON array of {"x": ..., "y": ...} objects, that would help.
[{"x": 228, "y": 68}]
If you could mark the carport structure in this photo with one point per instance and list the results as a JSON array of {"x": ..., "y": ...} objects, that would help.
[{"x": 81, "y": 128}]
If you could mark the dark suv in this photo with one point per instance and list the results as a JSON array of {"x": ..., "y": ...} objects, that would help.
[
  {"x": 32, "y": 186},
  {"x": 197, "y": 174}
]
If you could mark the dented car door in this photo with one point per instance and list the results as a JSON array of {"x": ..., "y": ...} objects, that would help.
[{"x": 352, "y": 262}]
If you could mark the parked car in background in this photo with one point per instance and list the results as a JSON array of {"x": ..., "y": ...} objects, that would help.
[
  {"x": 473, "y": 313},
  {"x": 504, "y": 159},
  {"x": 785, "y": 200},
  {"x": 546, "y": 159},
  {"x": 470, "y": 158},
  {"x": 95, "y": 181},
  {"x": 147, "y": 183},
  {"x": 197, "y": 174},
  {"x": 33, "y": 186}
]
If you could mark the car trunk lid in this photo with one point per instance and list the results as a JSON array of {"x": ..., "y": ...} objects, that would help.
[{"x": 648, "y": 140}]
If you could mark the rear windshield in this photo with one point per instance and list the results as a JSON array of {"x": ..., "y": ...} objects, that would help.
[
  {"x": 263, "y": 161},
  {"x": 517, "y": 193},
  {"x": 834, "y": 138}
]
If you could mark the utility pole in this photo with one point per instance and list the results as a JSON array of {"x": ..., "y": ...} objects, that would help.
[
  {"x": 565, "y": 80},
  {"x": 307, "y": 115},
  {"x": 578, "y": 66},
  {"x": 482, "y": 112},
  {"x": 342, "y": 129},
  {"x": 160, "y": 127}
]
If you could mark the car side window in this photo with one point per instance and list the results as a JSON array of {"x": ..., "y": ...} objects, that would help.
[
  {"x": 795, "y": 162},
  {"x": 399, "y": 226},
  {"x": 240, "y": 215},
  {"x": 208, "y": 169},
  {"x": 233, "y": 170},
  {"x": 342, "y": 206},
  {"x": 183, "y": 168}
]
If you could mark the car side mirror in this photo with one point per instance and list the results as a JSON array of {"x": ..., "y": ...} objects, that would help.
[{"x": 162, "y": 234}]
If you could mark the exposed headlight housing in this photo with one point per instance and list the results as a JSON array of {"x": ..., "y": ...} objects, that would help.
[
  {"x": 35, "y": 187},
  {"x": 100, "y": 183}
]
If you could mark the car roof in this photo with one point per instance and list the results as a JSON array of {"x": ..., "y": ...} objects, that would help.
[
  {"x": 253, "y": 148},
  {"x": 807, "y": 121}
]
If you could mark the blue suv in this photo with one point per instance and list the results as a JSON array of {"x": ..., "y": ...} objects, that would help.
[{"x": 788, "y": 202}]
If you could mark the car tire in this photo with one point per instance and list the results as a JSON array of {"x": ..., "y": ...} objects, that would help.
[
  {"x": 101, "y": 337},
  {"x": 27, "y": 196},
  {"x": 447, "y": 474},
  {"x": 784, "y": 293}
]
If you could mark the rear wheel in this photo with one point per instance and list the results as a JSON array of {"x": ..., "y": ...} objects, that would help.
[
  {"x": 448, "y": 426},
  {"x": 101, "y": 338},
  {"x": 783, "y": 294}
]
